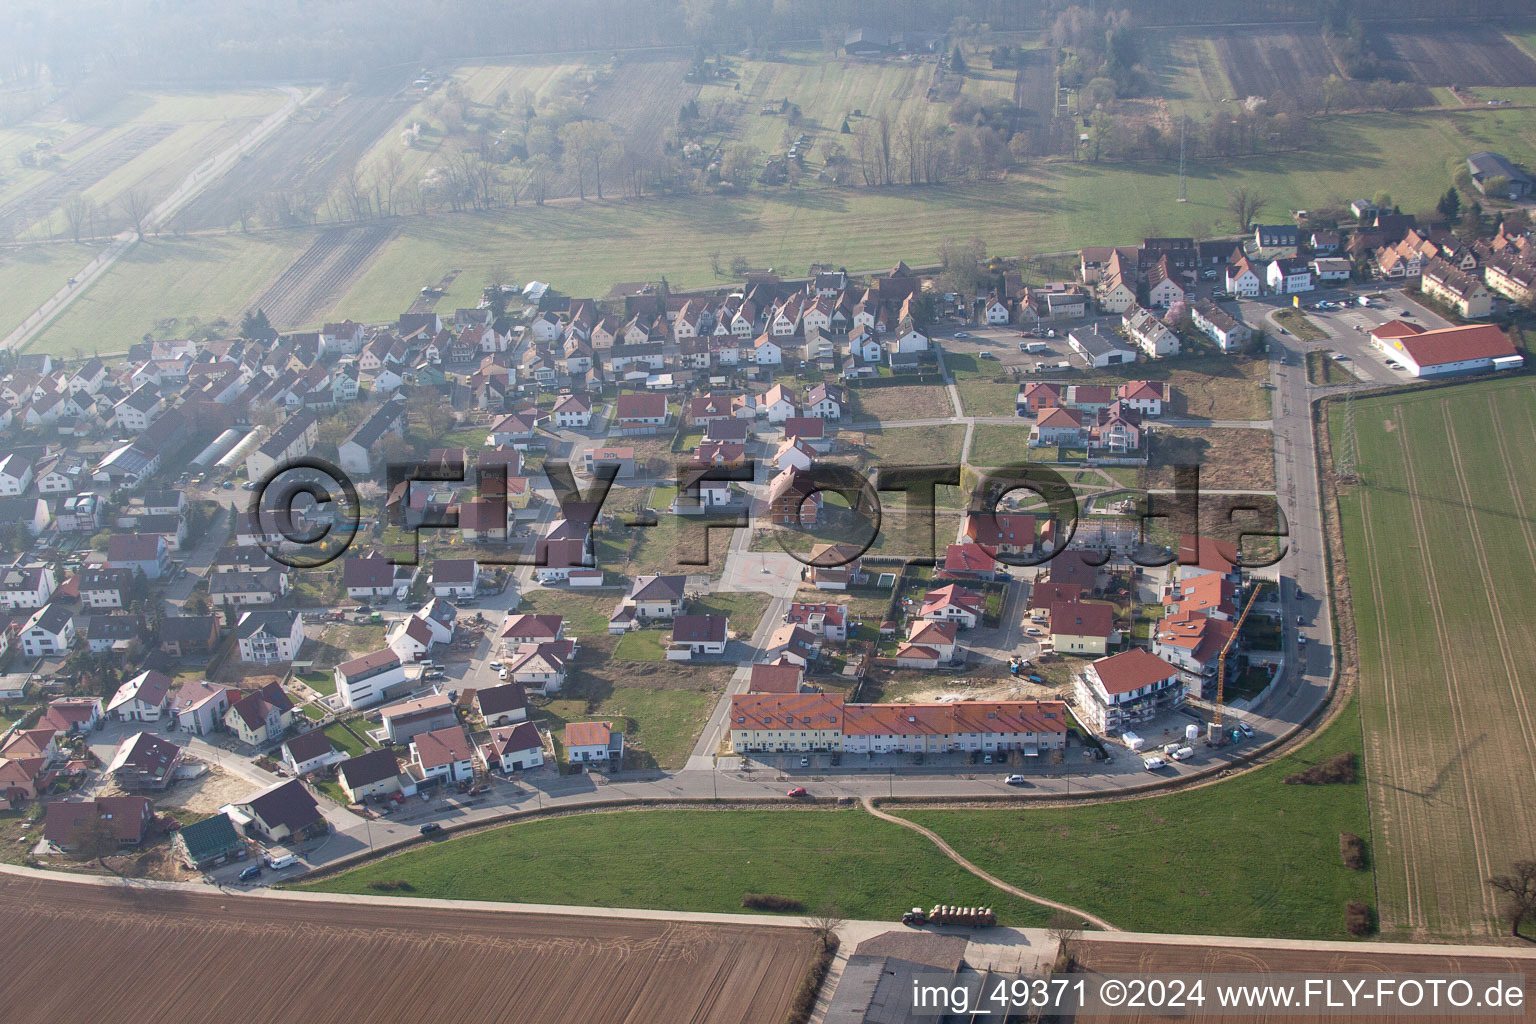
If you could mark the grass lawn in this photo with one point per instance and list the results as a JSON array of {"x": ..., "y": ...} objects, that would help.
[
  {"x": 1248, "y": 856},
  {"x": 910, "y": 446},
  {"x": 909, "y": 402},
  {"x": 585, "y": 614},
  {"x": 1295, "y": 321},
  {"x": 641, "y": 645},
  {"x": 29, "y": 275},
  {"x": 694, "y": 860},
  {"x": 744, "y": 609},
  {"x": 321, "y": 682},
  {"x": 996, "y": 445},
  {"x": 162, "y": 286},
  {"x": 1230, "y": 458},
  {"x": 986, "y": 397},
  {"x": 344, "y": 740},
  {"x": 1440, "y": 554},
  {"x": 1210, "y": 387},
  {"x": 663, "y": 724}
]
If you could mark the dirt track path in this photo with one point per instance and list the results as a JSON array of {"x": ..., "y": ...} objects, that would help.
[{"x": 949, "y": 852}]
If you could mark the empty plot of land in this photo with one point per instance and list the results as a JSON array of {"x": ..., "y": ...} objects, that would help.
[
  {"x": 1265, "y": 60},
  {"x": 1230, "y": 459},
  {"x": 310, "y": 286},
  {"x": 1440, "y": 542},
  {"x": 1457, "y": 55},
  {"x": 42, "y": 199},
  {"x": 404, "y": 963},
  {"x": 910, "y": 402},
  {"x": 303, "y": 160}
]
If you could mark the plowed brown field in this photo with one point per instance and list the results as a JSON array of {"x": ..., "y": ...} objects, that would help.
[{"x": 168, "y": 957}]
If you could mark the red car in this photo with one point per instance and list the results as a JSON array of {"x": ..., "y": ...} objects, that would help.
[{"x": 797, "y": 791}]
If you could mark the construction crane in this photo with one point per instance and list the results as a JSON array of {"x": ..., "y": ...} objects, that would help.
[{"x": 1214, "y": 734}]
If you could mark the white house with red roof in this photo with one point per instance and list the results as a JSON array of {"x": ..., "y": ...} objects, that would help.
[
  {"x": 1144, "y": 396},
  {"x": 952, "y": 603},
  {"x": 968, "y": 561},
  {"x": 938, "y": 637},
  {"x": 1119, "y": 691},
  {"x": 1082, "y": 627},
  {"x": 1475, "y": 348},
  {"x": 1192, "y": 643},
  {"x": 593, "y": 742},
  {"x": 636, "y": 414},
  {"x": 444, "y": 754},
  {"x": 830, "y": 620}
]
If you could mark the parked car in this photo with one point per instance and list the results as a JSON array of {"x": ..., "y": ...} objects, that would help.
[
  {"x": 1015, "y": 780},
  {"x": 797, "y": 791},
  {"x": 1032, "y": 631},
  {"x": 805, "y": 762},
  {"x": 986, "y": 355},
  {"x": 429, "y": 828},
  {"x": 254, "y": 871},
  {"x": 228, "y": 485},
  {"x": 1246, "y": 729},
  {"x": 961, "y": 334}
]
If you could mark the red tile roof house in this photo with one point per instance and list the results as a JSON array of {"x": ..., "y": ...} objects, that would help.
[
  {"x": 1115, "y": 693},
  {"x": 1200, "y": 556},
  {"x": 589, "y": 742},
  {"x": 967, "y": 561},
  {"x": 952, "y": 603},
  {"x": 1192, "y": 643},
  {"x": 938, "y": 636},
  {"x": 530, "y": 629},
  {"x": 1081, "y": 628},
  {"x": 830, "y": 620},
  {"x": 444, "y": 754},
  {"x": 697, "y": 634},
  {"x": 784, "y": 678},
  {"x": 640, "y": 414},
  {"x": 1007, "y": 533},
  {"x": 1043, "y": 595}
]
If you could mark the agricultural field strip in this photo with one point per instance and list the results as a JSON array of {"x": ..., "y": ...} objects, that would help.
[
  {"x": 1406, "y": 729},
  {"x": 43, "y": 198},
  {"x": 1376, "y": 758},
  {"x": 551, "y": 968},
  {"x": 309, "y": 287},
  {"x": 1452, "y": 677}
]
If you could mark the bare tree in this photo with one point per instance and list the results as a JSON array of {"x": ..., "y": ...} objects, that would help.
[
  {"x": 78, "y": 212},
  {"x": 1244, "y": 204},
  {"x": 245, "y": 209},
  {"x": 136, "y": 206},
  {"x": 541, "y": 178},
  {"x": 1065, "y": 928},
  {"x": 389, "y": 176},
  {"x": 1518, "y": 889},
  {"x": 824, "y": 923}
]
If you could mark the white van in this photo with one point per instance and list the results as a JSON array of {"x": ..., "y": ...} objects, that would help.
[
  {"x": 1032, "y": 346},
  {"x": 282, "y": 860},
  {"x": 1154, "y": 763},
  {"x": 1183, "y": 754}
]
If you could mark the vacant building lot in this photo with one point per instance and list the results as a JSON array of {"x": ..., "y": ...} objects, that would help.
[
  {"x": 903, "y": 402},
  {"x": 1230, "y": 458},
  {"x": 1441, "y": 552},
  {"x": 463, "y": 965}
]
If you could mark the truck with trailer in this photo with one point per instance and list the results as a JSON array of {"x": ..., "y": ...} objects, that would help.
[{"x": 942, "y": 914}]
